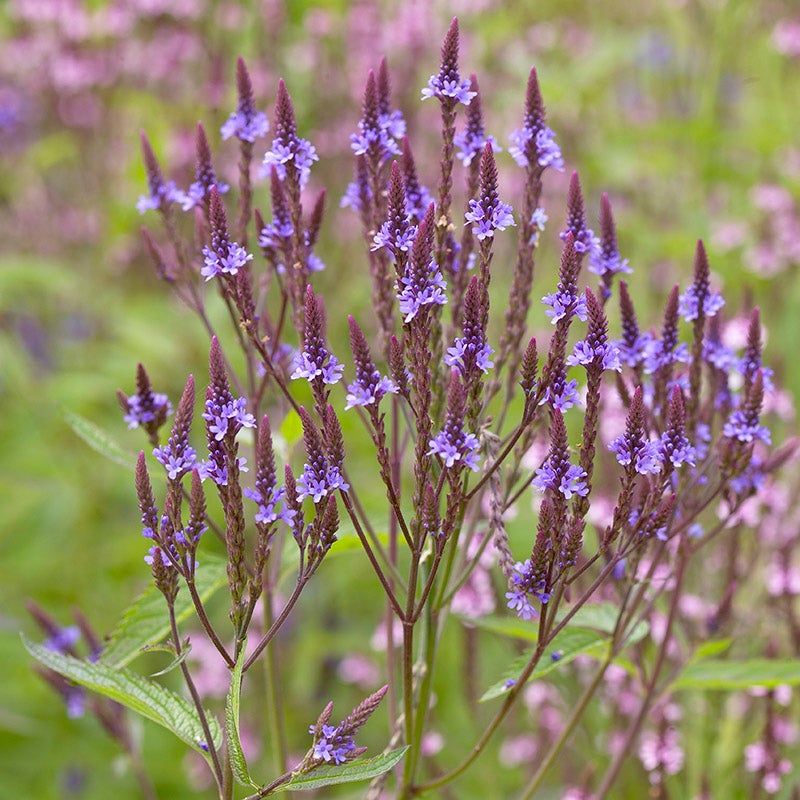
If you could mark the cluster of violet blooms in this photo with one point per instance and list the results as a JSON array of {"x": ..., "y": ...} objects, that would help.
[{"x": 452, "y": 418}]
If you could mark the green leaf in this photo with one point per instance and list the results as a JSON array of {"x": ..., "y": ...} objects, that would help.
[
  {"x": 147, "y": 622},
  {"x": 715, "y": 673},
  {"x": 710, "y": 649},
  {"x": 149, "y": 699},
  {"x": 99, "y": 440},
  {"x": 569, "y": 644},
  {"x": 359, "y": 770},
  {"x": 235, "y": 752},
  {"x": 291, "y": 429},
  {"x": 176, "y": 661}
]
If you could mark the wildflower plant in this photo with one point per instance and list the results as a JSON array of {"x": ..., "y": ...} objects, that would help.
[{"x": 464, "y": 432}]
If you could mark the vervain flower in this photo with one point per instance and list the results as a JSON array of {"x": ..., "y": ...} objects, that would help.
[
  {"x": 535, "y": 143},
  {"x": 222, "y": 256},
  {"x": 245, "y": 123},
  {"x": 369, "y": 386},
  {"x": 448, "y": 85},
  {"x": 488, "y": 214},
  {"x": 453, "y": 444},
  {"x": 473, "y": 139},
  {"x": 315, "y": 360}
]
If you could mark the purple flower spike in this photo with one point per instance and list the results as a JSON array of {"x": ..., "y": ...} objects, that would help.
[
  {"x": 566, "y": 301},
  {"x": 596, "y": 352},
  {"x": 473, "y": 139},
  {"x": 267, "y": 494},
  {"x": 146, "y": 408},
  {"x": 453, "y": 444},
  {"x": 205, "y": 177},
  {"x": 470, "y": 353},
  {"x": 290, "y": 155},
  {"x": 373, "y": 138},
  {"x": 487, "y": 214},
  {"x": 358, "y": 194},
  {"x": 161, "y": 193},
  {"x": 698, "y": 300},
  {"x": 534, "y": 145},
  {"x": 315, "y": 360},
  {"x": 418, "y": 198},
  {"x": 525, "y": 581},
  {"x": 222, "y": 257},
  {"x": 634, "y": 346},
  {"x": 177, "y": 456},
  {"x": 320, "y": 477},
  {"x": 369, "y": 386},
  {"x": 422, "y": 284},
  {"x": 632, "y": 449},
  {"x": 448, "y": 86},
  {"x": 585, "y": 240},
  {"x": 245, "y": 123},
  {"x": 675, "y": 446},
  {"x": 667, "y": 351},
  {"x": 604, "y": 260},
  {"x": 744, "y": 424},
  {"x": 397, "y": 233},
  {"x": 332, "y": 746}
]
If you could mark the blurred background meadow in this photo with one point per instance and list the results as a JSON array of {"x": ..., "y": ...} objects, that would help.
[{"x": 685, "y": 112}]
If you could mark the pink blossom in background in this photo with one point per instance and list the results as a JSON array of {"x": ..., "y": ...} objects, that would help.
[{"x": 786, "y": 37}]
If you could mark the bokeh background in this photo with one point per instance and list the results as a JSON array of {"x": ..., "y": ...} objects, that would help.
[{"x": 685, "y": 111}]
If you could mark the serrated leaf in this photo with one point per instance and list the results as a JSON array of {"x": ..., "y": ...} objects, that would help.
[
  {"x": 359, "y": 770},
  {"x": 714, "y": 673},
  {"x": 99, "y": 440},
  {"x": 145, "y": 697},
  {"x": 146, "y": 621},
  {"x": 235, "y": 752},
  {"x": 569, "y": 644}
]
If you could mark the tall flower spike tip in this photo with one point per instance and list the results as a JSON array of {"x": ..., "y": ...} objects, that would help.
[
  {"x": 161, "y": 193},
  {"x": 595, "y": 352},
  {"x": 470, "y": 353},
  {"x": 488, "y": 214},
  {"x": 291, "y": 156},
  {"x": 177, "y": 456},
  {"x": 675, "y": 446},
  {"x": 744, "y": 424},
  {"x": 528, "y": 369},
  {"x": 604, "y": 260},
  {"x": 534, "y": 145},
  {"x": 315, "y": 360},
  {"x": 418, "y": 198},
  {"x": 223, "y": 257},
  {"x": 453, "y": 444},
  {"x": 147, "y": 504},
  {"x": 557, "y": 473},
  {"x": 473, "y": 139},
  {"x": 390, "y": 121},
  {"x": 319, "y": 478},
  {"x": 245, "y": 123},
  {"x": 397, "y": 233},
  {"x": 566, "y": 301},
  {"x": 423, "y": 283},
  {"x": 698, "y": 301},
  {"x": 373, "y": 138},
  {"x": 751, "y": 360},
  {"x": 585, "y": 239},
  {"x": 205, "y": 177},
  {"x": 369, "y": 386},
  {"x": 448, "y": 86},
  {"x": 632, "y": 449}
]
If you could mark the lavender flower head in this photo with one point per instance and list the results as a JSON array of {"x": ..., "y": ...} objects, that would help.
[
  {"x": 473, "y": 139},
  {"x": 633, "y": 449},
  {"x": 373, "y": 137},
  {"x": 698, "y": 300},
  {"x": 266, "y": 493},
  {"x": 397, "y": 233},
  {"x": 161, "y": 193},
  {"x": 744, "y": 424},
  {"x": 315, "y": 361},
  {"x": 245, "y": 123},
  {"x": 289, "y": 154},
  {"x": 332, "y": 746},
  {"x": 471, "y": 353},
  {"x": 390, "y": 120},
  {"x": 205, "y": 177},
  {"x": 222, "y": 256},
  {"x": 557, "y": 473},
  {"x": 488, "y": 214},
  {"x": 418, "y": 197},
  {"x": 675, "y": 446},
  {"x": 535, "y": 143},
  {"x": 369, "y": 386},
  {"x": 146, "y": 408},
  {"x": 448, "y": 85},
  {"x": 585, "y": 240},
  {"x": 321, "y": 475},
  {"x": 604, "y": 259},
  {"x": 566, "y": 301},
  {"x": 453, "y": 444},
  {"x": 525, "y": 581},
  {"x": 177, "y": 456},
  {"x": 422, "y": 284}
]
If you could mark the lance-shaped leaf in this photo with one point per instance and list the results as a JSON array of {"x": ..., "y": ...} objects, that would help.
[
  {"x": 145, "y": 697},
  {"x": 99, "y": 440},
  {"x": 713, "y": 673},
  {"x": 235, "y": 752},
  {"x": 358, "y": 770}
]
